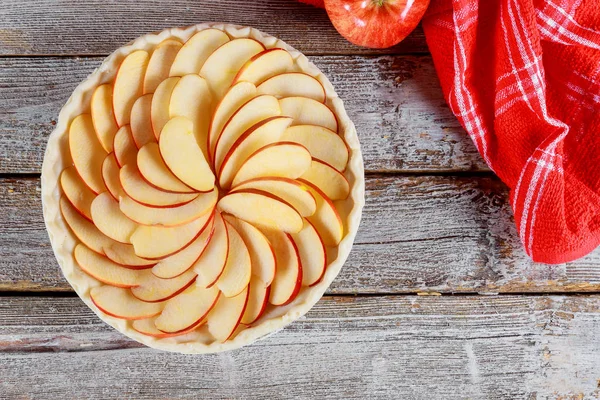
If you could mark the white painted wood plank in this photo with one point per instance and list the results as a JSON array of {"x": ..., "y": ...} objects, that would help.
[{"x": 399, "y": 347}]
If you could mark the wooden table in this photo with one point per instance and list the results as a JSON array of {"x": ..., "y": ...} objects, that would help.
[{"x": 437, "y": 300}]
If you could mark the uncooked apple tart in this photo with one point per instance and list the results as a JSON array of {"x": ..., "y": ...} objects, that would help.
[{"x": 202, "y": 187}]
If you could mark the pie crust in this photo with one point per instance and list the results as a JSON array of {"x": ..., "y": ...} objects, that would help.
[{"x": 57, "y": 158}]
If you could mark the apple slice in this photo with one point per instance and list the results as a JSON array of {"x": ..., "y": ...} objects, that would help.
[
  {"x": 125, "y": 150},
  {"x": 103, "y": 117},
  {"x": 322, "y": 143},
  {"x": 148, "y": 327},
  {"x": 288, "y": 277},
  {"x": 236, "y": 96},
  {"x": 255, "y": 110},
  {"x": 155, "y": 242},
  {"x": 261, "y": 134},
  {"x": 139, "y": 190},
  {"x": 196, "y": 50},
  {"x": 262, "y": 256},
  {"x": 90, "y": 236},
  {"x": 262, "y": 209},
  {"x": 153, "y": 289},
  {"x": 222, "y": 65},
  {"x": 87, "y": 152},
  {"x": 312, "y": 254},
  {"x": 181, "y": 262},
  {"x": 187, "y": 309},
  {"x": 211, "y": 263},
  {"x": 326, "y": 219},
  {"x": 307, "y": 111},
  {"x": 264, "y": 65},
  {"x": 192, "y": 99},
  {"x": 292, "y": 84},
  {"x": 160, "y": 63},
  {"x": 101, "y": 268},
  {"x": 328, "y": 179},
  {"x": 236, "y": 275},
  {"x": 283, "y": 159},
  {"x": 77, "y": 192},
  {"x": 120, "y": 303},
  {"x": 183, "y": 156},
  {"x": 155, "y": 171},
  {"x": 292, "y": 192},
  {"x": 258, "y": 298},
  {"x": 226, "y": 315},
  {"x": 141, "y": 121},
  {"x": 169, "y": 216},
  {"x": 110, "y": 220},
  {"x": 159, "y": 111},
  {"x": 128, "y": 84},
  {"x": 110, "y": 176}
]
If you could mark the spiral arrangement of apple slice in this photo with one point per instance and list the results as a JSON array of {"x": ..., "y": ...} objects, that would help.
[{"x": 203, "y": 185}]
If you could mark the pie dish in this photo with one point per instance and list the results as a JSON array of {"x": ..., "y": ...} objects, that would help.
[{"x": 202, "y": 188}]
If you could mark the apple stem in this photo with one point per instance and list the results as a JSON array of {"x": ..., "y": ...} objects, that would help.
[{"x": 378, "y": 3}]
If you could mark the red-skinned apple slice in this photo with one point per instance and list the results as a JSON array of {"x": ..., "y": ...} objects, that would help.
[
  {"x": 328, "y": 179},
  {"x": 288, "y": 276},
  {"x": 326, "y": 219},
  {"x": 226, "y": 315},
  {"x": 120, "y": 303},
  {"x": 187, "y": 309},
  {"x": 264, "y": 65},
  {"x": 169, "y": 216},
  {"x": 110, "y": 176},
  {"x": 148, "y": 327},
  {"x": 183, "y": 156},
  {"x": 289, "y": 190},
  {"x": 159, "y": 111},
  {"x": 139, "y": 190},
  {"x": 110, "y": 220},
  {"x": 154, "y": 242},
  {"x": 322, "y": 143},
  {"x": 125, "y": 150},
  {"x": 196, "y": 50},
  {"x": 160, "y": 63},
  {"x": 258, "y": 298},
  {"x": 77, "y": 192},
  {"x": 103, "y": 117},
  {"x": 293, "y": 84},
  {"x": 101, "y": 268},
  {"x": 261, "y": 134},
  {"x": 222, "y": 65},
  {"x": 87, "y": 152},
  {"x": 236, "y": 275},
  {"x": 89, "y": 235},
  {"x": 153, "y": 289},
  {"x": 307, "y": 111},
  {"x": 312, "y": 254},
  {"x": 182, "y": 261},
  {"x": 154, "y": 170},
  {"x": 262, "y": 209},
  {"x": 255, "y": 110},
  {"x": 211, "y": 263},
  {"x": 192, "y": 99},
  {"x": 236, "y": 96},
  {"x": 282, "y": 159},
  {"x": 262, "y": 255},
  {"x": 128, "y": 84},
  {"x": 141, "y": 121}
]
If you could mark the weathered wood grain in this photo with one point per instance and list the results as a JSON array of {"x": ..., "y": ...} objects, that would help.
[
  {"x": 53, "y": 27},
  {"x": 444, "y": 234},
  {"x": 402, "y": 119},
  {"x": 398, "y": 347}
]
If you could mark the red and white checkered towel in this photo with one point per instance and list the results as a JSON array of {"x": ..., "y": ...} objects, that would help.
[{"x": 523, "y": 78}]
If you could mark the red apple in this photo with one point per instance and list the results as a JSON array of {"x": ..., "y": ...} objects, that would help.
[{"x": 375, "y": 23}]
